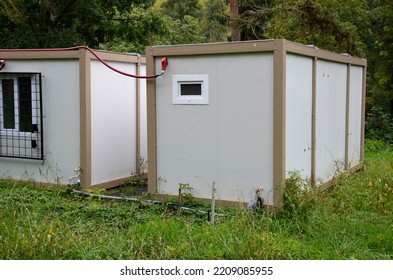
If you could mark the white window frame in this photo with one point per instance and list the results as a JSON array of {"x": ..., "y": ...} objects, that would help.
[
  {"x": 179, "y": 80},
  {"x": 15, "y": 131}
]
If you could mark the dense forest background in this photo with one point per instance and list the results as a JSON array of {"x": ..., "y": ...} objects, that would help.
[{"x": 361, "y": 28}]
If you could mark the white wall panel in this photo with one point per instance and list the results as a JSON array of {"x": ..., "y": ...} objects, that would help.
[
  {"x": 245, "y": 126},
  {"x": 143, "y": 120},
  {"x": 113, "y": 122},
  {"x": 355, "y": 114},
  {"x": 330, "y": 118},
  {"x": 186, "y": 134},
  {"x": 298, "y": 114}
]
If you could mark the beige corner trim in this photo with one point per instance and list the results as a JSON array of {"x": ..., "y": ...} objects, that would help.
[
  {"x": 85, "y": 118},
  {"x": 363, "y": 120},
  {"x": 151, "y": 122},
  {"x": 279, "y": 121}
]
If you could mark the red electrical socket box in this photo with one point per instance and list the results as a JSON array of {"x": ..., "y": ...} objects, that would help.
[{"x": 164, "y": 63}]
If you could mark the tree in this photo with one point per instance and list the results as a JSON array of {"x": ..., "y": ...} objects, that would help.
[
  {"x": 131, "y": 30},
  {"x": 214, "y": 20},
  {"x": 233, "y": 19},
  {"x": 380, "y": 54},
  {"x": 328, "y": 24},
  {"x": 50, "y": 23},
  {"x": 253, "y": 18},
  {"x": 177, "y": 10},
  {"x": 182, "y": 19},
  {"x": 379, "y": 41},
  {"x": 113, "y": 24}
]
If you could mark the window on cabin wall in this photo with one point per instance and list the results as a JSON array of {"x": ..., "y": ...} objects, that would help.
[
  {"x": 21, "y": 115},
  {"x": 190, "y": 89}
]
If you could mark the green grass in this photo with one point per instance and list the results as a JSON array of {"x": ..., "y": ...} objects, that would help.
[{"x": 351, "y": 220}]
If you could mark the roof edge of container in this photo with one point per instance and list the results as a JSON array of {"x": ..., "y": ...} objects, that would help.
[
  {"x": 314, "y": 51},
  {"x": 213, "y": 48},
  {"x": 44, "y": 54},
  {"x": 252, "y": 46},
  {"x": 75, "y": 53}
]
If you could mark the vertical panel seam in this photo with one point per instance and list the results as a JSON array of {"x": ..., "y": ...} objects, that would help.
[
  {"x": 347, "y": 116},
  {"x": 138, "y": 118},
  {"x": 313, "y": 121}
]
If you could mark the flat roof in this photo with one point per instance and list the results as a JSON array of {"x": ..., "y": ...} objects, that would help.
[{"x": 252, "y": 47}]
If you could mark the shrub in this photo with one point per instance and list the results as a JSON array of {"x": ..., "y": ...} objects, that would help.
[
  {"x": 299, "y": 197},
  {"x": 379, "y": 125}
]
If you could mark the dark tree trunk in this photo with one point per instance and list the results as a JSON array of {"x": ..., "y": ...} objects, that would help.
[{"x": 234, "y": 14}]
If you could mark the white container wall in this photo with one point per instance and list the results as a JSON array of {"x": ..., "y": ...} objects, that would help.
[
  {"x": 90, "y": 117},
  {"x": 244, "y": 115},
  {"x": 197, "y": 141}
]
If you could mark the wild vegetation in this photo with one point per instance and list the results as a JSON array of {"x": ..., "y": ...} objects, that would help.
[{"x": 351, "y": 220}]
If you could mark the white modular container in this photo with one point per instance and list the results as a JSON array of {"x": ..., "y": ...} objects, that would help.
[
  {"x": 244, "y": 115},
  {"x": 90, "y": 121}
]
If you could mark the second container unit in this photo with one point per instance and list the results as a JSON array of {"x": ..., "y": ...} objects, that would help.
[
  {"x": 66, "y": 117},
  {"x": 244, "y": 115}
]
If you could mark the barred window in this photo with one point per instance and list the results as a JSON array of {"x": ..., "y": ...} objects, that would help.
[{"x": 21, "y": 115}]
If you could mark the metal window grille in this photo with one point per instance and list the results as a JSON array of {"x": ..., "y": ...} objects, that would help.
[{"x": 21, "y": 133}]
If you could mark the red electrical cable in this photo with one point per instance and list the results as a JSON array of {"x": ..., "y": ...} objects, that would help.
[{"x": 92, "y": 52}]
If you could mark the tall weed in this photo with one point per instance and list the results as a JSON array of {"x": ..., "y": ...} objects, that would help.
[{"x": 299, "y": 197}]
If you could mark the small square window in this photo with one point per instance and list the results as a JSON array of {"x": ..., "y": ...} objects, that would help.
[{"x": 190, "y": 89}]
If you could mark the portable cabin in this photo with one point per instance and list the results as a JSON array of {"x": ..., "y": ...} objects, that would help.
[
  {"x": 244, "y": 115},
  {"x": 66, "y": 118}
]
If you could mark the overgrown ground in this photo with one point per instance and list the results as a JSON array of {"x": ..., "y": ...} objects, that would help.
[{"x": 352, "y": 220}]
